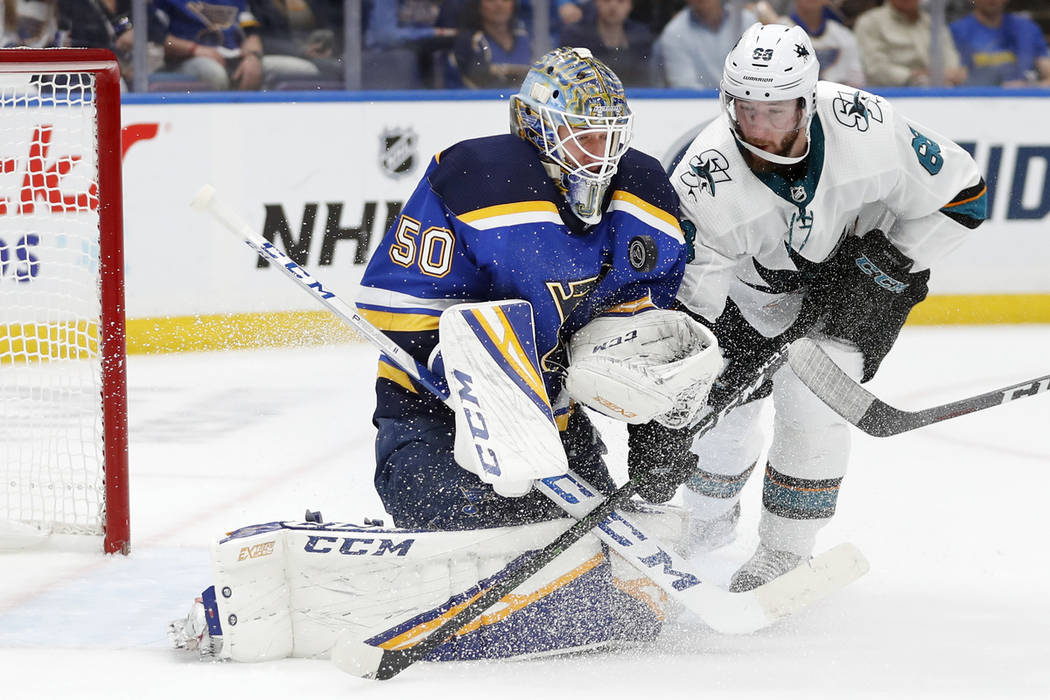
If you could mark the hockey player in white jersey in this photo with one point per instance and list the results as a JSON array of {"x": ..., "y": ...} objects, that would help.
[{"x": 805, "y": 200}]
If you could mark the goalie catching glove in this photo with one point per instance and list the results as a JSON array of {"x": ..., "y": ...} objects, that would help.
[{"x": 657, "y": 365}]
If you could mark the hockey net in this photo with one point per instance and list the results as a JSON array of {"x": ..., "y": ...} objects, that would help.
[{"x": 63, "y": 423}]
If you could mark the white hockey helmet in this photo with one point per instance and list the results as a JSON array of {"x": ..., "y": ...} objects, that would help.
[
  {"x": 567, "y": 98},
  {"x": 771, "y": 63}
]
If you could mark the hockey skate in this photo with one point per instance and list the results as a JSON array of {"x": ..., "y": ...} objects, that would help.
[
  {"x": 192, "y": 633},
  {"x": 764, "y": 565},
  {"x": 708, "y": 535}
]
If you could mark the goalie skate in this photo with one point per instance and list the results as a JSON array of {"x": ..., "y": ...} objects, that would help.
[{"x": 192, "y": 632}]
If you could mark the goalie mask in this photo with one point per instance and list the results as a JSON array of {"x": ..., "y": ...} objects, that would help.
[
  {"x": 769, "y": 89},
  {"x": 571, "y": 107}
]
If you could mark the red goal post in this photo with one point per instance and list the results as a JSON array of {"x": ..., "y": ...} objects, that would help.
[{"x": 63, "y": 418}]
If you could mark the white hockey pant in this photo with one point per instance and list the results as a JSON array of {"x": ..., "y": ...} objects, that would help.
[{"x": 806, "y": 463}]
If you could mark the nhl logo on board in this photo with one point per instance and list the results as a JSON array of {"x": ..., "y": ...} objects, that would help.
[
  {"x": 642, "y": 253},
  {"x": 397, "y": 151}
]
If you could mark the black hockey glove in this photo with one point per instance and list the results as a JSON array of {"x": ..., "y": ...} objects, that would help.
[
  {"x": 659, "y": 459},
  {"x": 867, "y": 290}
]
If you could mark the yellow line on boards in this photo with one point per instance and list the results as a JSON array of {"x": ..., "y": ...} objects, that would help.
[
  {"x": 982, "y": 309},
  {"x": 235, "y": 331},
  {"x": 270, "y": 329}
]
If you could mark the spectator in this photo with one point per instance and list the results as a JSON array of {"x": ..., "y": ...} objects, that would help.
[
  {"x": 393, "y": 23},
  {"x": 492, "y": 48},
  {"x": 220, "y": 46},
  {"x": 10, "y": 30},
  {"x": 1001, "y": 48},
  {"x": 850, "y": 10},
  {"x": 655, "y": 14},
  {"x": 956, "y": 9},
  {"x": 402, "y": 40},
  {"x": 571, "y": 12},
  {"x": 36, "y": 23},
  {"x": 106, "y": 24},
  {"x": 837, "y": 51},
  {"x": 694, "y": 44},
  {"x": 622, "y": 44},
  {"x": 895, "y": 46},
  {"x": 562, "y": 13},
  {"x": 301, "y": 39},
  {"x": 773, "y": 11}
]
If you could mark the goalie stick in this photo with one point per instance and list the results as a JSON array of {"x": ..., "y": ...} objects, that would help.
[
  {"x": 872, "y": 415},
  {"x": 723, "y": 611}
]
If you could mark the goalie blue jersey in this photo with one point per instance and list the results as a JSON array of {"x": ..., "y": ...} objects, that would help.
[{"x": 487, "y": 223}]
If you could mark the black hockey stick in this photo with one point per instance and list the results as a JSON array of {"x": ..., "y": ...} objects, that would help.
[
  {"x": 362, "y": 659},
  {"x": 876, "y": 417}
]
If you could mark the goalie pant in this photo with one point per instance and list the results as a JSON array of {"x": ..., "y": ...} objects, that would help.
[
  {"x": 291, "y": 588},
  {"x": 423, "y": 486}
]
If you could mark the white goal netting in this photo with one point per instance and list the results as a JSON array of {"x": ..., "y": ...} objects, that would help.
[{"x": 51, "y": 425}]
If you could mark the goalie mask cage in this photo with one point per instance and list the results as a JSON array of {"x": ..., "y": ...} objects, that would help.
[{"x": 63, "y": 400}]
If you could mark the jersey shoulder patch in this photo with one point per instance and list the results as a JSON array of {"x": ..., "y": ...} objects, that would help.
[
  {"x": 851, "y": 108},
  {"x": 711, "y": 161}
]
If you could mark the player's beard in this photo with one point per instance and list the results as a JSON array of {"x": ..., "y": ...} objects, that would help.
[{"x": 783, "y": 149}]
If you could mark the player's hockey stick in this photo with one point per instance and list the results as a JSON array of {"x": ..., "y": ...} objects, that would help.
[
  {"x": 728, "y": 612},
  {"x": 876, "y": 417}
]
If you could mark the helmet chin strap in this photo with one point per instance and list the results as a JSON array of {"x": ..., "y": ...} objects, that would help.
[{"x": 773, "y": 157}]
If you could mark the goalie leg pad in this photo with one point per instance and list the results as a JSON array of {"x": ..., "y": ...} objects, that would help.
[{"x": 290, "y": 589}]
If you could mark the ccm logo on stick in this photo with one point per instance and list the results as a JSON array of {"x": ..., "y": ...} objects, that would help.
[{"x": 1022, "y": 390}]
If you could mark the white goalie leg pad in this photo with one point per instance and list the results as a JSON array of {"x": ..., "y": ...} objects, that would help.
[
  {"x": 505, "y": 429},
  {"x": 654, "y": 365},
  {"x": 290, "y": 588}
]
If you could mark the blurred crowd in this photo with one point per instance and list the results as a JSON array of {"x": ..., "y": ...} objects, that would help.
[{"x": 463, "y": 44}]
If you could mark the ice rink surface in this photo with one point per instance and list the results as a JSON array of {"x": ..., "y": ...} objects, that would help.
[{"x": 953, "y": 519}]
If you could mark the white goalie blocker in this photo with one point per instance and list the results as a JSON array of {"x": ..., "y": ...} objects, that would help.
[
  {"x": 653, "y": 365},
  {"x": 505, "y": 429}
]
